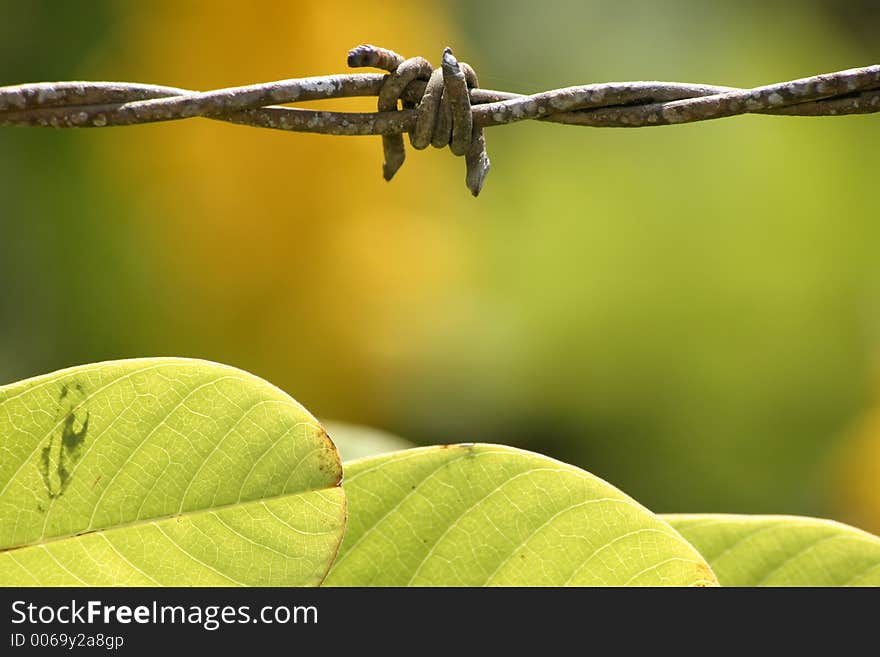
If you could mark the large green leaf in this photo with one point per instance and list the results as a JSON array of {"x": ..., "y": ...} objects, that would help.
[
  {"x": 355, "y": 441},
  {"x": 782, "y": 550},
  {"x": 163, "y": 472},
  {"x": 471, "y": 515}
]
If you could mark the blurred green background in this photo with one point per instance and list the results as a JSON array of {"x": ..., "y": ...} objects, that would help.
[{"x": 690, "y": 312}]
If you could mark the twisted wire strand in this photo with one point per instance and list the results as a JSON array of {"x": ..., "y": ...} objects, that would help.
[{"x": 442, "y": 107}]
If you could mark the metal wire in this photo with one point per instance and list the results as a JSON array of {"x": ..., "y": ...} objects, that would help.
[{"x": 441, "y": 107}]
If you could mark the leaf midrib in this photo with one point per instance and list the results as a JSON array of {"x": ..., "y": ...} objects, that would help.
[{"x": 147, "y": 521}]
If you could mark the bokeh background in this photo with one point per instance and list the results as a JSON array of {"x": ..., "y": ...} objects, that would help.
[{"x": 690, "y": 312}]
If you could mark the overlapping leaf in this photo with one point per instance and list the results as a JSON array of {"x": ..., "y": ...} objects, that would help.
[
  {"x": 163, "y": 472},
  {"x": 782, "y": 550},
  {"x": 472, "y": 515}
]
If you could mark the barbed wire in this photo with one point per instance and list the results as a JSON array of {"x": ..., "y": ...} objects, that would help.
[{"x": 441, "y": 107}]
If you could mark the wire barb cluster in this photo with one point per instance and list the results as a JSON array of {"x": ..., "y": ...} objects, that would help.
[
  {"x": 443, "y": 113},
  {"x": 442, "y": 107}
]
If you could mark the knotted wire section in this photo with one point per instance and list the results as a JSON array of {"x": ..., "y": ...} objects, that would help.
[
  {"x": 439, "y": 107},
  {"x": 443, "y": 114}
]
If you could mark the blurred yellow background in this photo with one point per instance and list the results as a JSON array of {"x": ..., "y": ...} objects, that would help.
[{"x": 690, "y": 312}]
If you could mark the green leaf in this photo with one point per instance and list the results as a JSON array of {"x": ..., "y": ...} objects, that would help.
[
  {"x": 163, "y": 472},
  {"x": 782, "y": 550},
  {"x": 355, "y": 442},
  {"x": 471, "y": 515}
]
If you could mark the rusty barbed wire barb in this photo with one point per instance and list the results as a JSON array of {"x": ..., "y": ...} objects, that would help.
[
  {"x": 442, "y": 106},
  {"x": 443, "y": 111}
]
